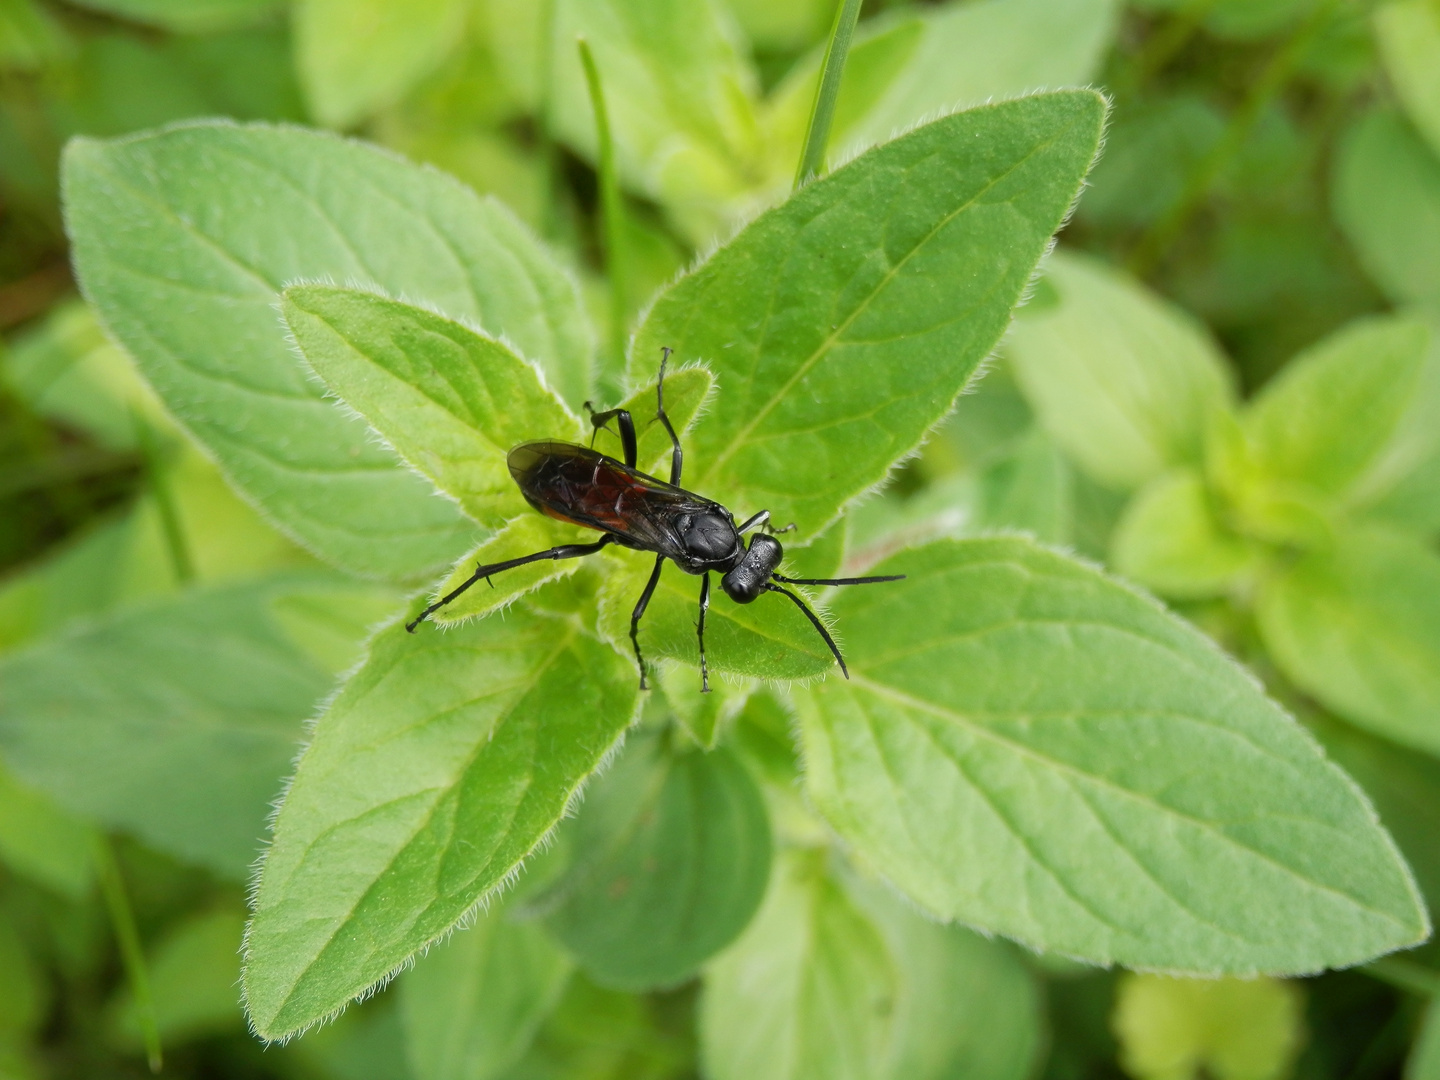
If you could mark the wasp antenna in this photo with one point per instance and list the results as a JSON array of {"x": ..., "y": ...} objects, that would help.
[
  {"x": 815, "y": 621},
  {"x": 837, "y": 580}
]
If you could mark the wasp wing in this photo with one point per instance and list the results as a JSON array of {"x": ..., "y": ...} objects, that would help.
[{"x": 584, "y": 487}]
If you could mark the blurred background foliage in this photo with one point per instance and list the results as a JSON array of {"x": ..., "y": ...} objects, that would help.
[{"x": 1272, "y": 174}]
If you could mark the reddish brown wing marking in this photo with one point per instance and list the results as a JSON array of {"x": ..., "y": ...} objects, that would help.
[{"x": 583, "y": 487}]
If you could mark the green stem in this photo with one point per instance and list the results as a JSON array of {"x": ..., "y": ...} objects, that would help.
[
  {"x": 132, "y": 956},
  {"x": 612, "y": 210},
  {"x": 545, "y": 92},
  {"x": 822, "y": 113},
  {"x": 1165, "y": 43},
  {"x": 1405, "y": 974},
  {"x": 1162, "y": 234},
  {"x": 180, "y": 561}
]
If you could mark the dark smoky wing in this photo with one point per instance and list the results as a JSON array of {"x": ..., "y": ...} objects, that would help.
[
  {"x": 579, "y": 485},
  {"x": 622, "y": 503}
]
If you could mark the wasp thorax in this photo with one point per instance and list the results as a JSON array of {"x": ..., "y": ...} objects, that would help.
[
  {"x": 747, "y": 580},
  {"x": 709, "y": 538}
]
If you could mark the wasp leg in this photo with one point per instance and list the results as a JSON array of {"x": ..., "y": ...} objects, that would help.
[
  {"x": 640, "y": 606},
  {"x": 564, "y": 551},
  {"x": 700, "y": 632},
  {"x": 627, "y": 430},
  {"x": 677, "y": 454},
  {"x": 761, "y": 519}
]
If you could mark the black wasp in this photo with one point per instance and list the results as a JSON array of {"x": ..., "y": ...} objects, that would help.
[{"x": 579, "y": 485}]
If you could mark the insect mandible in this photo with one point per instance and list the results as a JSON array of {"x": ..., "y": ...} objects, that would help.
[{"x": 581, "y": 486}]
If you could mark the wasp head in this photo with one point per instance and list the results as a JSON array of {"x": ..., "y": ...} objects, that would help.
[{"x": 744, "y": 583}]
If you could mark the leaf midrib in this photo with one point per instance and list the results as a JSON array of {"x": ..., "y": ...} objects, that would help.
[
  {"x": 524, "y": 688},
  {"x": 759, "y": 630},
  {"x": 166, "y": 212},
  {"x": 404, "y": 384},
  {"x": 861, "y": 307},
  {"x": 1068, "y": 771}
]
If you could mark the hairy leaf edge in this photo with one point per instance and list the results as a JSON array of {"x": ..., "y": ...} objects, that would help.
[
  {"x": 81, "y": 143},
  {"x": 471, "y": 914},
  {"x": 1424, "y": 928},
  {"x": 1027, "y": 292},
  {"x": 373, "y": 434}
]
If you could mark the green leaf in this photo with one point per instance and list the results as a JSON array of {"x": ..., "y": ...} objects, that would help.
[
  {"x": 826, "y": 322},
  {"x": 782, "y": 26},
  {"x": 194, "y": 974},
  {"x": 809, "y": 989},
  {"x": 1404, "y": 486},
  {"x": 1151, "y": 151},
  {"x": 1386, "y": 197},
  {"x": 598, "y": 1034},
  {"x": 1252, "y": 20},
  {"x": 355, "y": 56},
  {"x": 768, "y": 639},
  {"x": 122, "y": 82},
  {"x": 1231, "y": 1029},
  {"x": 85, "y": 577},
  {"x": 1124, "y": 381},
  {"x": 967, "y": 1009},
  {"x": 679, "y": 91},
  {"x": 1424, "y": 1060},
  {"x": 1172, "y": 540},
  {"x": 187, "y": 16},
  {"x": 705, "y": 717},
  {"x": 331, "y": 624},
  {"x": 990, "y": 420},
  {"x": 472, "y": 1006},
  {"x": 68, "y": 371},
  {"x": 1328, "y": 423},
  {"x": 1358, "y": 626},
  {"x": 23, "y": 988},
  {"x": 175, "y": 720},
  {"x": 442, "y": 764},
  {"x": 366, "y": 1043},
  {"x": 1031, "y": 488},
  {"x": 672, "y": 856},
  {"x": 1029, "y": 747},
  {"x": 41, "y": 841},
  {"x": 30, "y": 39},
  {"x": 450, "y": 401},
  {"x": 1405, "y": 787},
  {"x": 183, "y": 239},
  {"x": 1408, "y": 32},
  {"x": 971, "y": 53}
]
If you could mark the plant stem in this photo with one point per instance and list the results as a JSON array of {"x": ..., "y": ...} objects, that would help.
[
  {"x": 612, "y": 210},
  {"x": 1162, "y": 234},
  {"x": 545, "y": 94},
  {"x": 822, "y": 113},
  {"x": 180, "y": 561},
  {"x": 132, "y": 957},
  {"x": 1163, "y": 45}
]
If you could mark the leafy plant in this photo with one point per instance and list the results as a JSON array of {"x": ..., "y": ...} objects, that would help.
[{"x": 285, "y": 412}]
